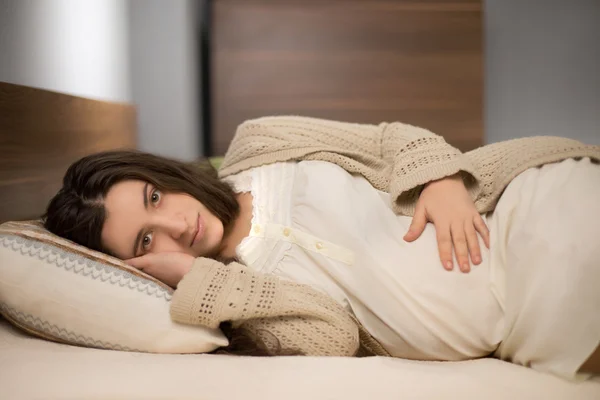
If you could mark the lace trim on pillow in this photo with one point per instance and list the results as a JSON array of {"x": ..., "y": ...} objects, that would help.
[
  {"x": 35, "y": 232},
  {"x": 43, "y": 328},
  {"x": 80, "y": 265}
]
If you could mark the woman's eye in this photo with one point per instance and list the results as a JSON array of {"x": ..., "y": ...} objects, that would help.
[
  {"x": 147, "y": 241},
  {"x": 155, "y": 196}
]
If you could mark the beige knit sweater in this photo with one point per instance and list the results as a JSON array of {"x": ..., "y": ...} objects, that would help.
[
  {"x": 299, "y": 317},
  {"x": 394, "y": 157}
]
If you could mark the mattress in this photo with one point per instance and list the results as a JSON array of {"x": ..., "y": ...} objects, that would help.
[{"x": 32, "y": 368}]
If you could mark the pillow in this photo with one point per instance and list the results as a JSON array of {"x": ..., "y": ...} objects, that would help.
[
  {"x": 58, "y": 290},
  {"x": 216, "y": 162}
]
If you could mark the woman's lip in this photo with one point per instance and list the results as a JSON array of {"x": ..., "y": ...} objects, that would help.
[{"x": 199, "y": 231}]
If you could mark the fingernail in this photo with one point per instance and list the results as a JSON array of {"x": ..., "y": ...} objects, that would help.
[
  {"x": 465, "y": 267},
  {"x": 477, "y": 259},
  {"x": 449, "y": 265}
]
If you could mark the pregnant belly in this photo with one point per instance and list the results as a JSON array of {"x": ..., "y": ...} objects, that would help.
[
  {"x": 398, "y": 290},
  {"x": 418, "y": 310}
]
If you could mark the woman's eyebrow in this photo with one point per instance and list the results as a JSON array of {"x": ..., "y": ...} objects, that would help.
[{"x": 136, "y": 243}]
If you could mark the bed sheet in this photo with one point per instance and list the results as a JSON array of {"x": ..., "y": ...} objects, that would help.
[{"x": 31, "y": 368}]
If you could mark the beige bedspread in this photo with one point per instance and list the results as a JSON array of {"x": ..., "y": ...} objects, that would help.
[{"x": 36, "y": 369}]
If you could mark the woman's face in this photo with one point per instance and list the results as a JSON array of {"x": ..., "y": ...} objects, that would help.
[{"x": 140, "y": 219}]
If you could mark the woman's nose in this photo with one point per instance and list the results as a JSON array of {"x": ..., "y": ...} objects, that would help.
[{"x": 176, "y": 227}]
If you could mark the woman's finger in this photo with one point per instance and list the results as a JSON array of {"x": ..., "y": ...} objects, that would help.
[
  {"x": 417, "y": 225},
  {"x": 459, "y": 242},
  {"x": 483, "y": 230},
  {"x": 472, "y": 242},
  {"x": 444, "y": 240}
]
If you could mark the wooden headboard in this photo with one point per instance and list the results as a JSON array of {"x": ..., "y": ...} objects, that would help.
[
  {"x": 369, "y": 61},
  {"x": 42, "y": 133}
]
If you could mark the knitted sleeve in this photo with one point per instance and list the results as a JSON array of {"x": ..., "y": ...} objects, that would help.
[
  {"x": 274, "y": 139},
  {"x": 418, "y": 156},
  {"x": 300, "y": 318},
  {"x": 499, "y": 163},
  {"x": 395, "y": 157}
]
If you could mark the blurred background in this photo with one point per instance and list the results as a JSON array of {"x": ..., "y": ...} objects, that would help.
[{"x": 483, "y": 71}]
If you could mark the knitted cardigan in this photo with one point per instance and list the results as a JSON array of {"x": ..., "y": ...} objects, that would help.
[{"x": 393, "y": 157}]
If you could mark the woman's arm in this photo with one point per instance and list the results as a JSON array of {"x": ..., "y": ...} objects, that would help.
[
  {"x": 394, "y": 157},
  {"x": 499, "y": 163},
  {"x": 418, "y": 157},
  {"x": 298, "y": 317},
  {"x": 398, "y": 158}
]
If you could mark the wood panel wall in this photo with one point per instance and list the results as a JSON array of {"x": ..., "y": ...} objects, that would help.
[
  {"x": 368, "y": 61},
  {"x": 42, "y": 133}
]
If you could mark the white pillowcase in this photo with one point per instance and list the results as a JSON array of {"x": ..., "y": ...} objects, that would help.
[{"x": 64, "y": 292}]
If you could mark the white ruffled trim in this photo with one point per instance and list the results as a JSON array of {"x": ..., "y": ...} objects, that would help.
[
  {"x": 240, "y": 183},
  {"x": 271, "y": 187}
]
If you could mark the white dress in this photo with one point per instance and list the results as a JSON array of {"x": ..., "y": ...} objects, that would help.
[{"x": 314, "y": 223}]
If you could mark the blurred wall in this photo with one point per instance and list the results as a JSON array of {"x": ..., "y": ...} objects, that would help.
[
  {"x": 140, "y": 51},
  {"x": 542, "y": 58},
  {"x": 542, "y": 69},
  {"x": 164, "y": 76},
  {"x": 74, "y": 47}
]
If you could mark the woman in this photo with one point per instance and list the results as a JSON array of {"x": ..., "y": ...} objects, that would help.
[{"x": 302, "y": 242}]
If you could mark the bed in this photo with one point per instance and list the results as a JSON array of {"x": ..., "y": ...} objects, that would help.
[
  {"x": 34, "y": 368},
  {"x": 30, "y": 170}
]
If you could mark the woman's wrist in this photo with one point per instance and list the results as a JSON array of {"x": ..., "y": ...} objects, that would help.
[{"x": 456, "y": 177}]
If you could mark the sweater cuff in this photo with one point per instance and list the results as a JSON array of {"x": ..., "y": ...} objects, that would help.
[
  {"x": 190, "y": 289},
  {"x": 406, "y": 188}
]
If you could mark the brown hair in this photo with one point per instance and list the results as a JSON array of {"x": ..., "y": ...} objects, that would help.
[{"x": 77, "y": 211}]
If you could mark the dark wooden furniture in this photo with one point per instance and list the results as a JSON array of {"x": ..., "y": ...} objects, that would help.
[
  {"x": 369, "y": 61},
  {"x": 42, "y": 133}
]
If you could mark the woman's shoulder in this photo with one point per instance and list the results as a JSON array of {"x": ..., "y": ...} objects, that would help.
[
  {"x": 288, "y": 120},
  {"x": 301, "y": 128}
]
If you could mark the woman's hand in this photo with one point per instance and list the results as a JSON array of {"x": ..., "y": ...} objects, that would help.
[
  {"x": 447, "y": 204},
  {"x": 166, "y": 267}
]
